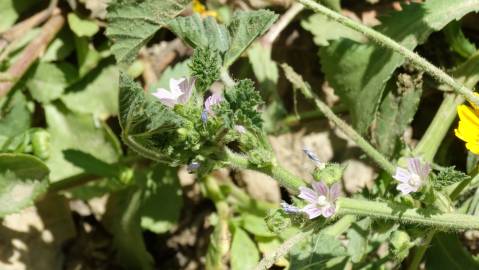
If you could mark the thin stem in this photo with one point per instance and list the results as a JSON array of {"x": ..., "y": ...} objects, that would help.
[
  {"x": 421, "y": 250},
  {"x": 375, "y": 155},
  {"x": 437, "y": 130},
  {"x": 295, "y": 119},
  {"x": 226, "y": 78},
  {"x": 396, "y": 212},
  {"x": 269, "y": 38},
  {"x": 389, "y": 43},
  {"x": 284, "y": 177}
]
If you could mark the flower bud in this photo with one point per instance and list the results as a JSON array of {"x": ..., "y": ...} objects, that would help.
[{"x": 331, "y": 173}]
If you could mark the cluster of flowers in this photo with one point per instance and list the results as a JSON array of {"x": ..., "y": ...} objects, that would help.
[{"x": 321, "y": 199}]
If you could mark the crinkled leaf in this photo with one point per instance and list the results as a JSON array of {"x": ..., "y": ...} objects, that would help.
[
  {"x": 244, "y": 254},
  {"x": 23, "y": 178},
  {"x": 97, "y": 93},
  {"x": 448, "y": 176},
  {"x": 132, "y": 24},
  {"x": 396, "y": 111},
  {"x": 362, "y": 70},
  {"x": 244, "y": 28},
  {"x": 48, "y": 81},
  {"x": 82, "y": 27},
  {"x": 145, "y": 121},
  {"x": 201, "y": 33},
  {"x": 15, "y": 117},
  {"x": 358, "y": 236},
  {"x": 76, "y": 131},
  {"x": 162, "y": 200},
  {"x": 447, "y": 252}
]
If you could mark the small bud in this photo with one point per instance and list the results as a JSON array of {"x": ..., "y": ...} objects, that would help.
[
  {"x": 126, "y": 176},
  {"x": 330, "y": 174},
  {"x": 400, "y": 244},
  {"x": 204, "y": 116},
  {"x": 193, "y": 167},
  {"x": 41, "y": 144},
  {"x": 311, "y": 155}
]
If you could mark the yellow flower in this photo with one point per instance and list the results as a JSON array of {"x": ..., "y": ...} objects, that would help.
[
  {"x": 198, "y": 7},
  {"x": 468, "y": 128}
]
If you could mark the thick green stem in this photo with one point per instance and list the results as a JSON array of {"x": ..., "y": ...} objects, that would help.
[
  {"x": 389, "y": 43},
  {"x": 391, "y": 211},
  {"x": 284, "y": 177},
  {"x": 437, "y": 130}
]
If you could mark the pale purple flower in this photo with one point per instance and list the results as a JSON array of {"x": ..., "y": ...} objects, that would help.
[
  {"x": 241, "y": 129},
  {"x": 204, "y": 116},
  {"x": 179, "y": 93},
  {"x": 412, "y": 179},
  {"x": 288, "y": 208},
  {"x": 311, "y": 155},
  {"x": 321, "y": 199},
  {"x": 211, "y": 101}
]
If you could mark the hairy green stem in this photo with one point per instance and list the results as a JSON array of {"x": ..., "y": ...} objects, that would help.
[
  {"x": 389, "y": 43},
  {"x": 226, "y": 78},
  {"x": 295, "y": 119},
  {"x": 396, "y": 212},
  {"x": 284, "y": 177},
  {"x": 437, "y": 130},
  {"x": 374, "y": 154}
]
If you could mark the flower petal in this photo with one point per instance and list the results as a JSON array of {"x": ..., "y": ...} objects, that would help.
[
  {"x": 175, "y": 85},
  {"x": 328, "y": 211},
  {"x": 308, "y": 194},
  {"x": 334, "y": 192},
  {"x": 402, "y": 175},
  {"x": 405, "y": 188},
  {"x": 186, "y": 88},
  {"x": 321, "y": 188},
  {"x": 312, "y": 211},
  {"x": 414, "y": 165}
]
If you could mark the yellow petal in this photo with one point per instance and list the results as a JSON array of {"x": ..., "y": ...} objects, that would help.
[
  {"x": 468, "y": 114},
  {"x": 473, "y": 147}
]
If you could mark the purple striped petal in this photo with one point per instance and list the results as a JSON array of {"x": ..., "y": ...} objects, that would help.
[
  {"x": 328, "y": 211},
  {"x": 402, "y": 175},
  {"x": 414, "y": 165},
  {"x": 186, "y": 87},
  {"x": 406, "y": 188},
  {"x": 334, "y": 192},
  {"x": 312, "y": 211},
  {"x": 321, "y": 188},
  {"x": 308, "y": 194}
]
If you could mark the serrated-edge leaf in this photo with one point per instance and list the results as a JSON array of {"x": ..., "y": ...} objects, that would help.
[
  {"x": 362, "y": 70},
  {"x": 132, "y": 24}
]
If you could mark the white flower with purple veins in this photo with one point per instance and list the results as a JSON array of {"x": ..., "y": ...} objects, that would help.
[
  {"x": 211, "y": 101},
  {"x": 179, "y": 93},
  {"x": 321, "y": 199},
  {"x": 412, "y": 179}
]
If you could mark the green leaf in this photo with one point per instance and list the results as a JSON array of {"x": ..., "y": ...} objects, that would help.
[
  {"x": 317, "y": 252},
  {"x": 60, "y": 48},
  {"x": 76, "y": 131},
  {"x": 132, "y": 24},
  {"x": 244, "y": 28},
  {"x": 362, "y": 70},
  {"x": 255, "y": 225},
  {"x": 97, "y": 93},
  {"x": 329, "y": 30},
  {"x": 82, "y": 27},
  {"x": 162, "y": 189},
  {"x": 458, "y": 42},
  {"x": 23, "y": 178},
  {"x": 10, "y": 11},
  {"x": 264, "y": 68},
  {"x": 448, "y": 176},
  {"x": 447, "y": 252},
  {"x": 143, "y": 119},
  {"x": 201, "y": 33},
  {"x": 396, "y": 111},
  {"x": 244, "y": 253},
  {"x": 48, "y": 81},
  {"x": 15, "y": 116},
  {"x": 122, "y": 220},
  {"x": 358, "y": 236},
  {"x": 87, "y": 56}
]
